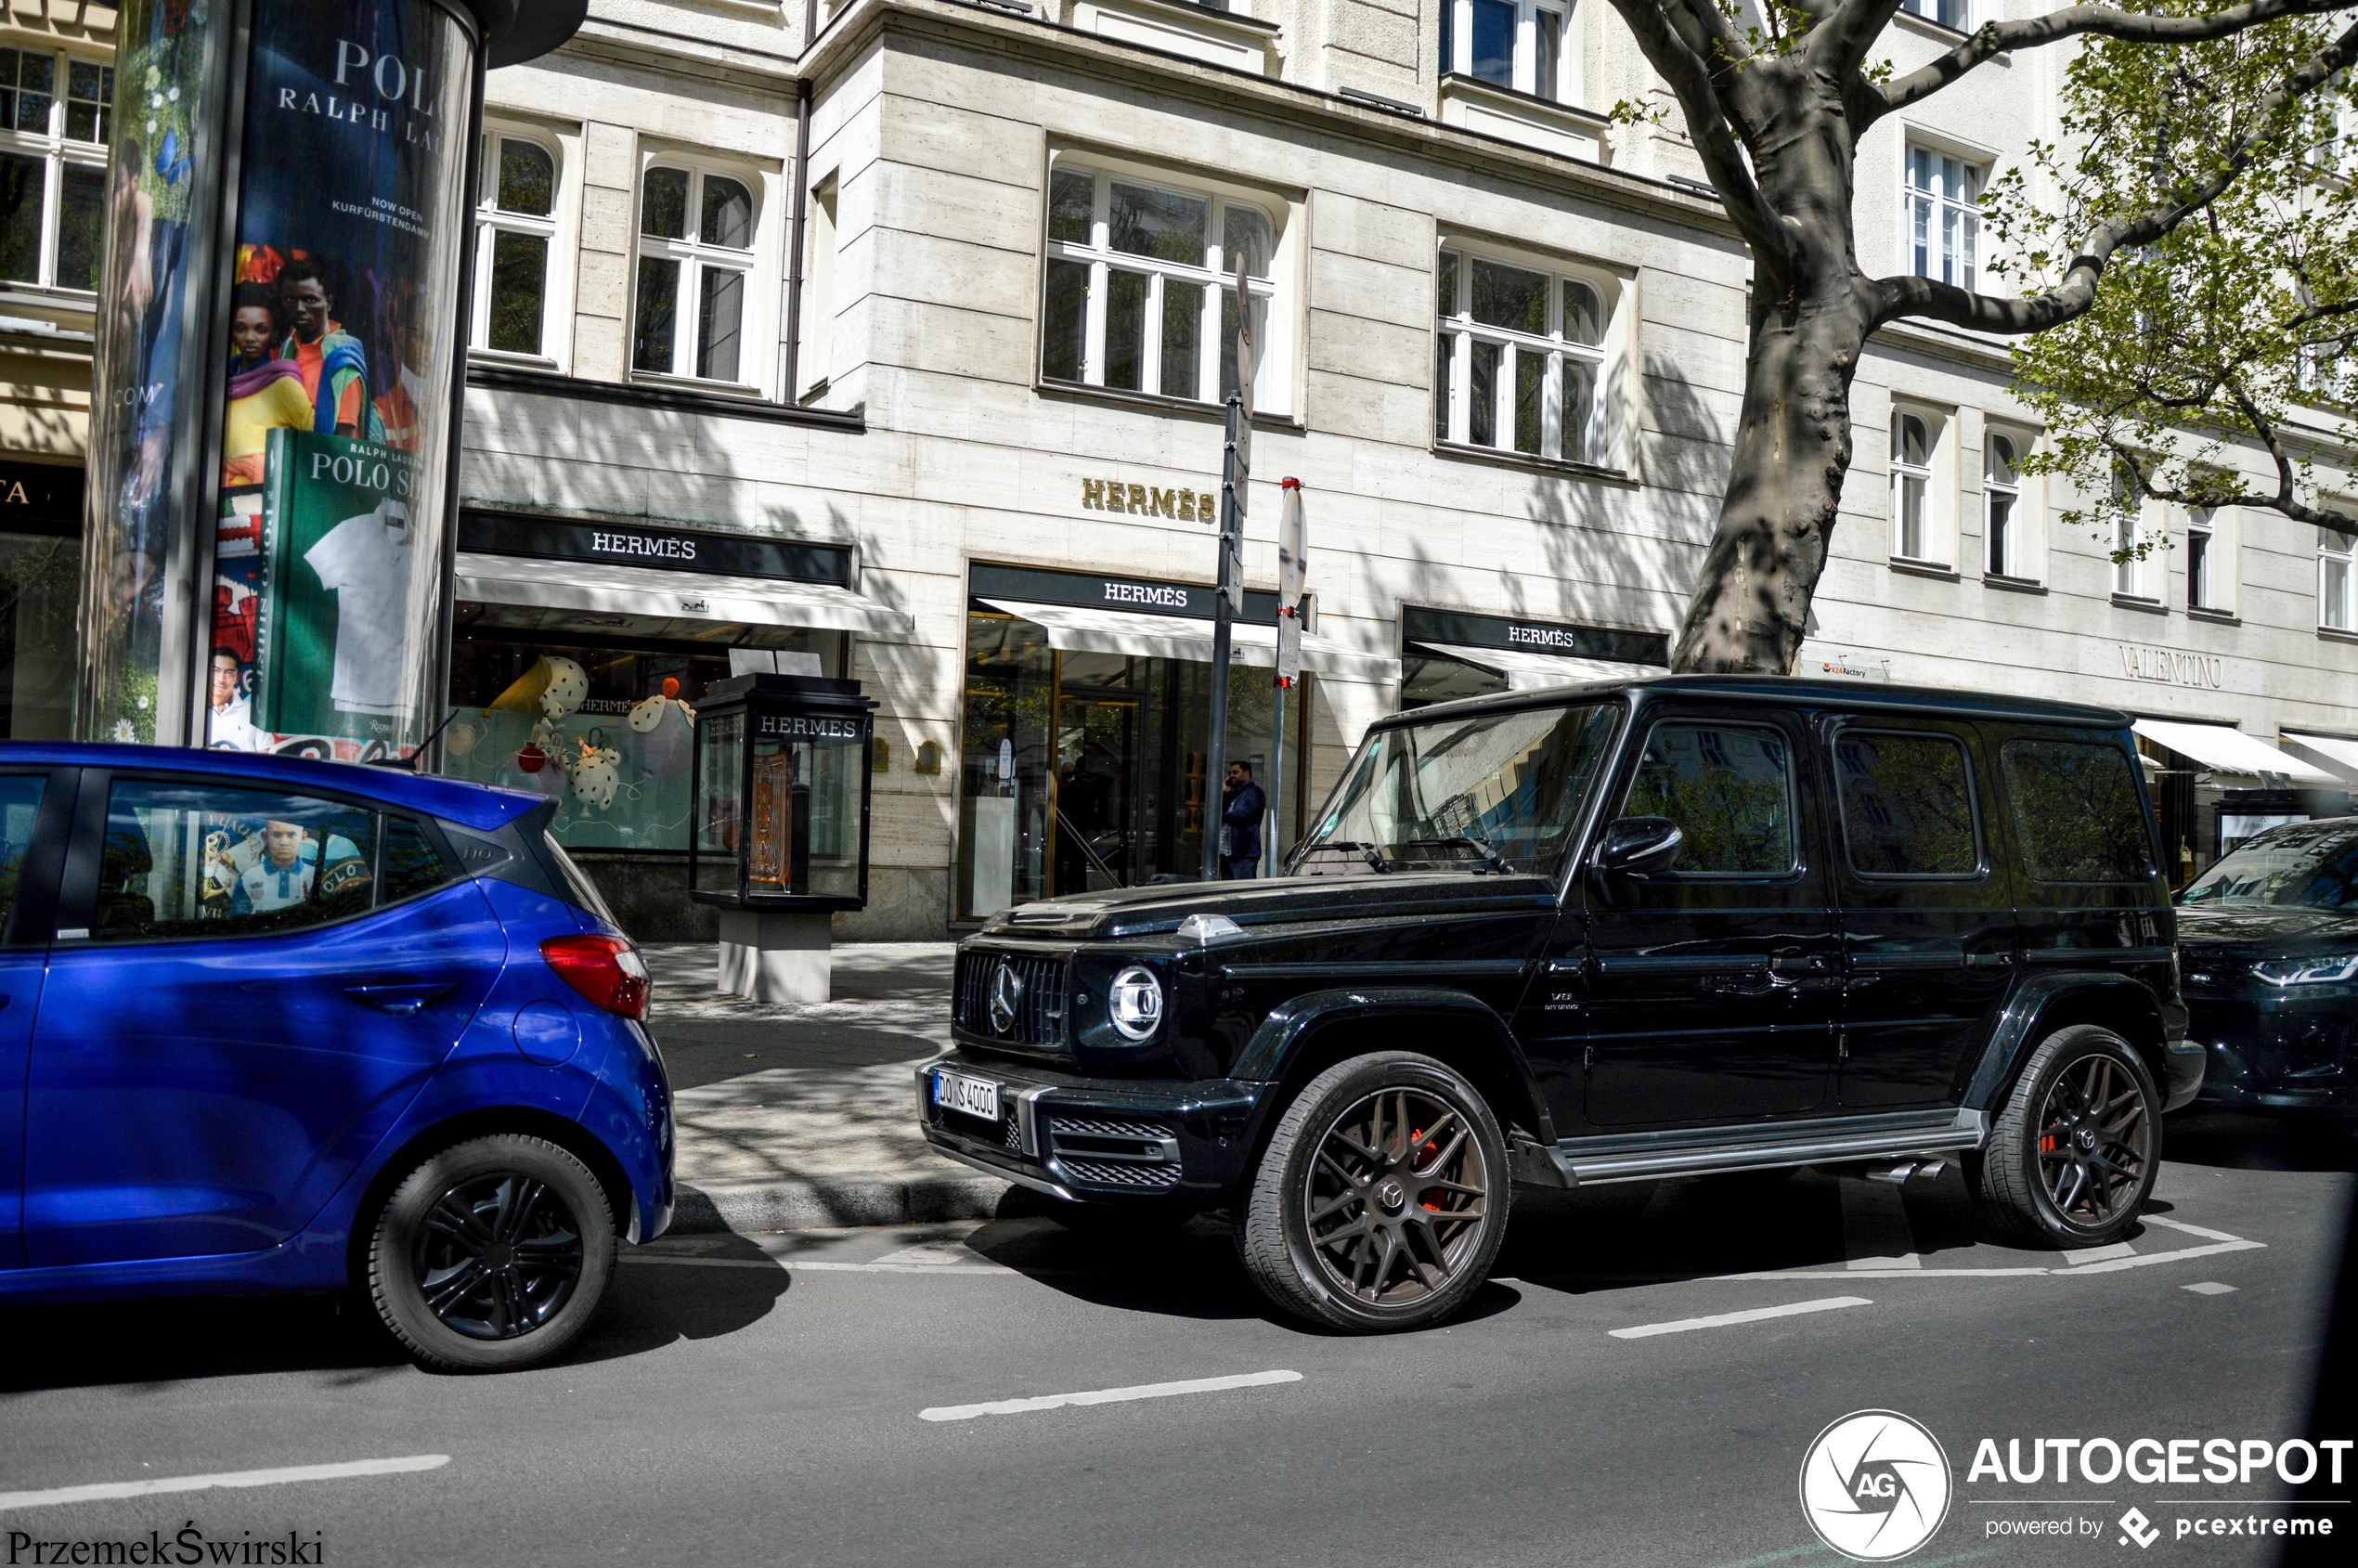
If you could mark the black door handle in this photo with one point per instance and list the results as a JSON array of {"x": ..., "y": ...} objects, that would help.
[
  {"x": 1989, "y": 961},
  {"x": 398, "y": 994}
]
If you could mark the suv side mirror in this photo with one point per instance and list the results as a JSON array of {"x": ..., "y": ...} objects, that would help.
[{"x": 1638, "y": 847}]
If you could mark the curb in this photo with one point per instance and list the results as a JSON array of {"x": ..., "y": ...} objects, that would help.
[{"x": 854, "y": 1199}]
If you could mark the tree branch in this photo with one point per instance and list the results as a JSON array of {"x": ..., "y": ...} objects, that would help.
[
  {"x": 1840, "y": 43},
  {"x": 1995, "y": 38},
  {"x": 1935, "y": 300},
  {"x": 1690, "y": 78}
]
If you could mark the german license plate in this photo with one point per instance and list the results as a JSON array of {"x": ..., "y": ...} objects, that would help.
[{"x": 969, "y": 1096}]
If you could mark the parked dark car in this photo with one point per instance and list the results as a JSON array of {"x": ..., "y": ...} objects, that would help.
[
  {"x": 270, "y": 1025},
  {"x": 1666, "y": 927},
  {"x": 2269, "y": 941}
]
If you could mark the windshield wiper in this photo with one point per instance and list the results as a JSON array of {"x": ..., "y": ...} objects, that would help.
[
  {"x": 1490, "y": 856},
  {"x": 1367, "y": 852}
]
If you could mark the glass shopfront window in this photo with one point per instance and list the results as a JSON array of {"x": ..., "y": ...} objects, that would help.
[
  {"x": 1085, "y": 770},
  {"x": 608, "y": 731},
  {"x": 40, "y": 580}
]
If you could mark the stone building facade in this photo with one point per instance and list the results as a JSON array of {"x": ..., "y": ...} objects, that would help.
[{"x": 917, "y": 311}]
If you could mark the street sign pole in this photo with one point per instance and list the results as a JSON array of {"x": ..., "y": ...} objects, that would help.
[
  {"x": 1292, "y": 563},
  {"x": 1235, "y": 470}
]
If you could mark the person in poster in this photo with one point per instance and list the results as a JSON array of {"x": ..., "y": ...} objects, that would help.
[
  {"x": 229, "y": 726},
  {"x": 332, "y": 363},
  {"x": 266, "y": 392}
]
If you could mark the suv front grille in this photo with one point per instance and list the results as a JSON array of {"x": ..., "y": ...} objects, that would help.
[
  {"x": 1039, "y": 997},
  {"x": 1114, "y": 1151}
]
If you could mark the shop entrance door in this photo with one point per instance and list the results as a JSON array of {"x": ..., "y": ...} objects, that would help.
[{"x": 1097, "y": 835}]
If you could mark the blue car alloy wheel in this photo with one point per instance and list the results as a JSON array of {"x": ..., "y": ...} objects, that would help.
[{"x": 492, "y": 1253}]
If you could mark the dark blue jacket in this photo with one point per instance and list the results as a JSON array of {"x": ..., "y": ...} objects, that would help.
[{"x": 1243, "y": 816}]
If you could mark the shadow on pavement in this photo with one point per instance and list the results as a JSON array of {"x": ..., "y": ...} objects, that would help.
[
  {"x": 2244, "y": 1142},
  {"x": 647, "y": 1307},
  {"x": 119, "y": 1342}
]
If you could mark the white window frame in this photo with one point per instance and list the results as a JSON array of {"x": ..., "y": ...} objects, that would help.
[
  {"x": 1459, "y": 332},
  {"x": 695, "y": 258},
  {"x": 57, "y": 153},
  {"x": 1939, "y": 207},
  {"x": 2006, "y": 547},
  {"x": 1526, "y": 55},
  {"x": 1960, "y": 21},
  {"x": 1271, "y": 380},
  {"x": 492, "y": 220},
  {"x": 1937, "y": 519},
  {"x": 2206, "y": 542},
  {"x": 2337, "y": 581},
  {"x": 2140, "y": 525}
]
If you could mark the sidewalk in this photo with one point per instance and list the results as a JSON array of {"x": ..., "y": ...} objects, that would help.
[{"x": 806, "y": 1115}]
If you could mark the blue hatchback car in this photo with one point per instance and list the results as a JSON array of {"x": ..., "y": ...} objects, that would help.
[{"x": 268, "y": 1024}]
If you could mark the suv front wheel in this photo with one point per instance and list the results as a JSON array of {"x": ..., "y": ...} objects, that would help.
[
  {"x": 1381, "y": 1199},
  {"x": 2073, "y": 1155}
]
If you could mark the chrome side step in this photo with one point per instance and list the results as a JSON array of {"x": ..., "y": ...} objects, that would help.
[{"x": 1823, "y": 1143}]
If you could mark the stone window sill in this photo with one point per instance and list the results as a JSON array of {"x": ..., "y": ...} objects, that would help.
[
  {"x": 2142, "y": 605},
  {"x": 1925, "y": 569},
  {"x": 2012, "y": 584},
  {"x": 1529, "y": 460},
  {"x": 2217, "y": 617},
  {"x": 1185, "y": 408},
  {"x": 1223, "y": 38},
  {"x": 1560, "y": 128},
  {"x": 2335, "y": 634}
]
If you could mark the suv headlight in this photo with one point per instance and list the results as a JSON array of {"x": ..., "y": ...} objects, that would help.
[
  {"x": 2328, "y": 970},
  {"x": 1134, "y": 1003}
]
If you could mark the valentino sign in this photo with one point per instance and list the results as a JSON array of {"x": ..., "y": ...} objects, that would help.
[{"x": 2144, "y": 661}]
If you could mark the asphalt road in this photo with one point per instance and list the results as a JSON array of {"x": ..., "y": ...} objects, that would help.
[{"x": 796, "y": 1399}]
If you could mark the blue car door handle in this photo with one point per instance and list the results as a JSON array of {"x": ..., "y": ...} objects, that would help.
[{"x": 398, "y": 994}]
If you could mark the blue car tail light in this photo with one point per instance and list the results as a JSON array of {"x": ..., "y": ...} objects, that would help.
[{"x": 607, "y": 970}]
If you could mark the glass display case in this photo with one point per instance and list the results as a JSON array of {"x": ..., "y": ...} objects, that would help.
[{"x": 781, "y": 794}]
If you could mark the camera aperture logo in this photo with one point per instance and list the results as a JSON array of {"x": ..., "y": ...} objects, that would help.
[{"x": 1875, "y": 1485}]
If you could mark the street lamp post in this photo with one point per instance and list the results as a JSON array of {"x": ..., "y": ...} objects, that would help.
[{"x": 280, "y": 356}]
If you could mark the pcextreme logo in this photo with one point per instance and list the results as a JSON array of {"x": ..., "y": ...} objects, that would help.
[{"x": 1875, "y": 1485}]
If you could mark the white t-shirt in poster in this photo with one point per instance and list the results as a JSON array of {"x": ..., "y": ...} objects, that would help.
[{"x": 365, "y": 560}]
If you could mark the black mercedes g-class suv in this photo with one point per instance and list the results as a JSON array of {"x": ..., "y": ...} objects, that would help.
[{"x": 1617, "y": 932}]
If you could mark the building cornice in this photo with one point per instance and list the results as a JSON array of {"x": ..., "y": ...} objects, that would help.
[{"x": 847, "y": 37}]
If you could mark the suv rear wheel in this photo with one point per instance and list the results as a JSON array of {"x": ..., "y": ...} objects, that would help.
[
  {"x": 2074, "y": 1153},
  {"x": 492, "y": 1254},
  {"x": 1381, "y": 1199}
]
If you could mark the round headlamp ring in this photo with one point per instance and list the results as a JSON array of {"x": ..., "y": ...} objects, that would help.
[{"x": 1134, "y": 1003}]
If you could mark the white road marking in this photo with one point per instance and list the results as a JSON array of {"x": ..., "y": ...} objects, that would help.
[
  {"x": 783, "y": 1266},
  {"x": 2110, "y": 1265},
  {"x": 105, "y": 1491},
  {"x": 1647, "y": 1330},
  {"x": 2208, "y": 1288},
  {"x": 1104, "y": 1396},
  {"x": 2190, "y": 1230},
  {"x": 1875, "y": 1234},
  {"x": 2105, "y": 1260},
  {"x": 2099, "y": 1255}
]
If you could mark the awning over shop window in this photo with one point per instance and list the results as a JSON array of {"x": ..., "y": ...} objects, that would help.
[
  {"x": 2342, "y": 751},
  {"x": 2227, "y": 750},
  {"x": 1076, "y": 630},
  {"x": 1527, "y": 672},
  {"x": 647, "y": 594}
]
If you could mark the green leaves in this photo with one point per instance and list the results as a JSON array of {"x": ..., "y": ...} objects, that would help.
[{"x": 2231, "y": 329}]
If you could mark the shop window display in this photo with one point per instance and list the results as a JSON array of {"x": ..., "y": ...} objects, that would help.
[
  {"x": 1085, "y": 770},
  {"x": 608, "y": 733}
]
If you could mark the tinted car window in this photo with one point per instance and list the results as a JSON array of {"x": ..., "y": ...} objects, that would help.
[
  {"x": 1730, "y": 789},
  {"x": 1453, "y": 793},
  {"x": 2313, "y": 866},
  {"x": 2076, "y": 812},
  {"x": 20, "y": 809},
  {"x": 412, "y": 865},
  {"x": 198, "y": 860},
  {"x": 1906, "y": 804}
]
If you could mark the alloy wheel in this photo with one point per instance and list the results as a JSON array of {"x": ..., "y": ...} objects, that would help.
[
  {"x": 499, "y": 1256},
  {"x": 1397, "y": 1198},
  {"x": 2094, "y": 1141}
]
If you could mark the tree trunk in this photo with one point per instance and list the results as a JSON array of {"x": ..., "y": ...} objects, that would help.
[{"x": 1793, "y": 447}]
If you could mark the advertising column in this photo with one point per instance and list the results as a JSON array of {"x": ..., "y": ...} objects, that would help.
[{"x": 279, "y": 353}]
